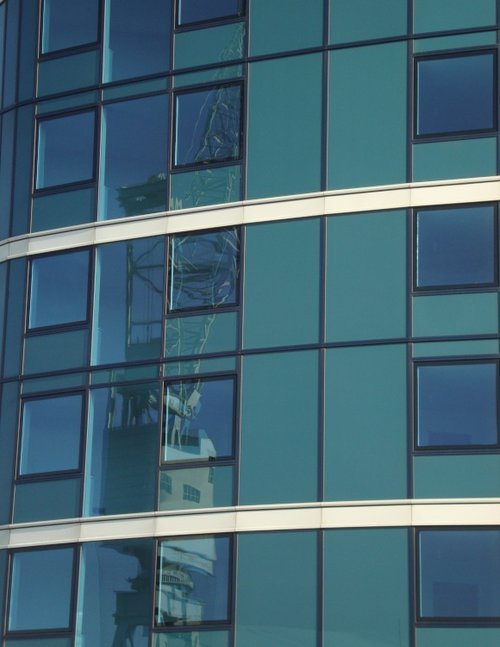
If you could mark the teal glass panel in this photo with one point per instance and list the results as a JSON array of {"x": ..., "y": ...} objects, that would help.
[
  {"x": 457, "y": 636},
  {"x": 15, "y": 317},
  {"x": 284, "y": 25},
  {"x": 58, "y": 499},
  {"x": 3, "y": 304},
  {"x": 27, "y": 51},
  {"x": 207, "y": 186},
  {"x": 454, "y": 159},
  {"x": 357, "y": 613},
  {"x": 23, "y": 170},
  {"x": 7, "y": 148},
  {"x": 279, "y": 428},
  {"x": 134, "y": 168},
  {"x": 115, "y": 601},
  {"x": 8, "y": 433},
  {"x": 68, "y": 73},
  {"x": 365, "y": 423},
  {"x": 60, "y": 641},
  {"x": 11, "y": 52},
  {"x": 187, "y": 639},
  {"x": 197, "y": 11},
  {"x": 196, "y": 487},
  {"x": 275, "y": 605},
  {"x": 122, "y": 449},
  {"x": 366, "y": 276},
  {"x": 55, "y": 383},
  {"x": 456, "y": 476},
  {"x": 3, "y": 11},
  {"x": 461, "y": 41},
  {"x": 355, "y": 20},
  {"x": 284, "y": 131},
  {"x": 211, "y": 45},
  {"x": 210, "y": 333},
  {"x": 281, "y": 293},
  {"x": 367, "y": 129},
  {"x": 195, "y": 366},
  {"x": 3, "y": 576},
  {"x": 40, "y": 591},
  {"x": 129, "y": 301},
  {"x": 63, "y": 209},
  {"x": 137, "y": 36},
  {"x": 441, "y": 15},
  {"x": 125, "y": 374},
  {"x": 130, "y": 89},
  {"x": 40, "y": 355},
  {"x": 451, "y": 348},
  {"x": 447, "y": 315},
  {"x": 66, "y": 26},
  {"x": 73, "y": 101},
  {"x": 207, "y": 76}
]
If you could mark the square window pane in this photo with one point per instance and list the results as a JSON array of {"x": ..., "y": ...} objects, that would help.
[
  {"x": 190, "y": 11},
  {"x": 204, "y": 270},
  {"x": 455, "y": 94},
  {"x": 59, "y": 289},
  {"x": 457, "y": 404},
  {"x": 459, "y": 574},
  {"x": 193, "y": 581},
  {"x": 208, "y": 125},
  {"x": 199, "y": 418},
  {"x": 69, "y": 24},
  {"x": 41, "y": 588},
  {"x": 48, "y": 423},
  {"x": 456, "y": 246},
  {"x": 65, "y": 150}
]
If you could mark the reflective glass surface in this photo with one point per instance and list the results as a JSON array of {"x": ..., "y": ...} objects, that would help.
[
  {"x": 204, "y": 270},
  {"x": 457, "y": 404},
  {"x": 69, "y": 24},
  {"x": 43, "y": 500},
  {"x": 40, "y": 591},
  {"x": 455, "y": 94},
  {"x": 200, "y": 10},
  {"x": 59, "y": 286},
  {"x": 208, "y": 125},
  {"x": 196, "y": 487},
  {"x": 459, "y": 574},
  {"x": 193, "y": 581},
  {"x": 455, "y": 246},
  {"x": 65, "y": 150},
  {"x": 48, "y": 423},
  {"x": 198, "y": 419}
]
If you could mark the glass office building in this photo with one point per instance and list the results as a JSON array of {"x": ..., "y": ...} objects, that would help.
[{"x": 250, "y": 333}]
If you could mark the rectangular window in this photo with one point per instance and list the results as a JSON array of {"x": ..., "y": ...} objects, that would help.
[
  {"x": 195, "y": 11},
  {"x": 459, "y": 574},
  {"x": 208, "y": 125},
  {"x": 455, "y": 94},
  {"x": 455, "y": 246},
  {"x": 457, "y": 404},
  {"x": 191, "y": 493},
  {"x": 69, "y": 24}
]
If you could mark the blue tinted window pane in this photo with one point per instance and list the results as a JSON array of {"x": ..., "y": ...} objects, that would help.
[
  {"x": 198, "y": 419},
  {"x": 69, "y": 24},
  {"x": 40, "y": 593},
  {"x": 455, "y": 94},
  {"x": 457, "y": 404},
  {"x": 204, "y": 270},
  {"x": 65, "y": 150},
  {"x": 459, "y": 574},
  {"x": 49, "y": 423},
  {"x": 200, "y": 10},
  {"x": 137, "y": 38},
  {"x": 456, "y": 246},
  {"x": 208, "y": 125},
  {"x": 59, "y": 286},
  {"x": 193, "y": 581}
]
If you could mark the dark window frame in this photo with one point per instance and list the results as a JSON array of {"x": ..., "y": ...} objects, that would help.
[
  {"x": 208, "y": 22},
  {"x": 74, "y": 49}
]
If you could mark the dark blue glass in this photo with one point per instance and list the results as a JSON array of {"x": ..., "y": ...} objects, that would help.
[
  {"x": 459, "y": 573},
  {"x": 49, "y": 423},
  {"x": 200, "y": 10},
  {"x": 198, "y": 419},
  {"x": 204, "y": 270},
  {"x": 208, "y": 125},
  {"x": 59, "y": 287},
  {"x": 455, "y": 94},
  {"x": 40, "y": 589},
  {"x": 193, "y": 581},
  {"x": 69, "y": 24},
  {"x": 456, "y": 246},
  {"x": 65, "y": 150},
  {"x": 137, "y": 38},
  {"x": 457, "y": 404}
]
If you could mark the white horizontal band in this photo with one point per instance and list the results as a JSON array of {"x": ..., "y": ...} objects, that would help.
[
  {"x": 296, "y": 516},
  {"x": 396, "y": 196}
]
